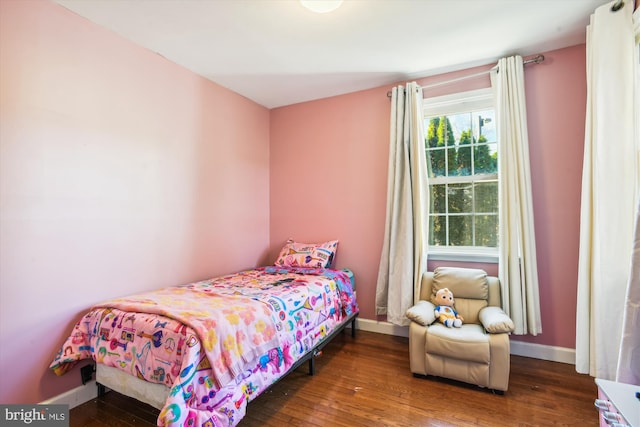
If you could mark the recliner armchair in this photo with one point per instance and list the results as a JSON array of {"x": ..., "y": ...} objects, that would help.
[{"x": 476, "y": 353}]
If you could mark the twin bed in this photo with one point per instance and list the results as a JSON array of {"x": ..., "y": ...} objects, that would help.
[{"x": 200, "y": 352}]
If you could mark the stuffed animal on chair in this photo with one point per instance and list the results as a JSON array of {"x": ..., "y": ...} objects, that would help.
[{"x": 444, "y": 311}]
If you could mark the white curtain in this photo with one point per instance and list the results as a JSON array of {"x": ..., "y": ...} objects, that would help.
[
  {"x": 609, "y": 191},
  {"x": 518, "y": 269},
  {"x": 404, "y": 251},
  {"x": 629, "y": 357}
]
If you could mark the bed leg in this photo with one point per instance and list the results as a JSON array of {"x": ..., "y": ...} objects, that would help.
[
  {"x": 102, "y": 390},
  {"x": 312, "y": 365},
  {"x": 353, "y": 328}
]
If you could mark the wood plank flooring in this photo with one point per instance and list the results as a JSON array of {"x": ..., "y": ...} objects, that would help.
[{"x": 366, "y": 381}]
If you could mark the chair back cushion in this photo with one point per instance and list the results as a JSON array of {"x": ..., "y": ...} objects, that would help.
[
  {"x": 463, "y": 282},
  {"x": 469, "y": 286},
  {"x": 469, "y": 309}
]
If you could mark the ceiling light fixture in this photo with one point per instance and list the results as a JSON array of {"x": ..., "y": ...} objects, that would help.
[{"x": 321, "y": 6}]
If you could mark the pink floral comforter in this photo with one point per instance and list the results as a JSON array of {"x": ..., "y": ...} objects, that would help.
[{"x": 217, "y": 343}]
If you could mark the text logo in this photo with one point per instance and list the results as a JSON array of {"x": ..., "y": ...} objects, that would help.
[{"x": 34, "y": 415}]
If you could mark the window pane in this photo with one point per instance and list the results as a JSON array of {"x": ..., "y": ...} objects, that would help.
[
  {"x": 484, "y": 126},
  {"x": 436, "y": 157},
  {"x": 460, "y": 198},
  {"x": 460, "y": 231},
  {"x": 460, "y": 123},
  {"x": 438, "y": 228},
  {"x": 452, "y": 165},
  {"x": 486, "y": 197},
  {"x": 487, "y": 230},
  {"x": 464, "y": 157},
  {"x": 461, "y": 126},
  {"x": 486, "y": 158},
  {"x": 438, "y": 200},
  {"x": 445, "y": 132},
  {"x": 431, "y": 126}
]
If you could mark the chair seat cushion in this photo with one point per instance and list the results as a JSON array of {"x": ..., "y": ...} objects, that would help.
[{"x": 470, "y": 342}]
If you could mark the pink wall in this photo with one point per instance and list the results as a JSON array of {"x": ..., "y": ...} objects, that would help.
[
  {"x": 329, "y": 173},
  {"x": 119, "y": 172},
  {"x": 328, "y": 180},
  {"x": 556, "y": 105}
]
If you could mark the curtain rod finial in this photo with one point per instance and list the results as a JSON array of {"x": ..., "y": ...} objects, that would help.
[
  {"x": 539, "y": 58},
  {"x": 617, "y": 6}
]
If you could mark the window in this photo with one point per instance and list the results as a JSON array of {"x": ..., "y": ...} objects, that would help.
[{"x": 462, "y": 162}]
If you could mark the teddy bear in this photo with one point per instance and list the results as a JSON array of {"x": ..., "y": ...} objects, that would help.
[{"x": 444, "y": 311}]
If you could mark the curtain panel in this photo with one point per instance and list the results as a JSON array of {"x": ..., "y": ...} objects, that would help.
[
  {"x": 404, "y": 252},
  {"x": 518, "y": 269},
  {"x": 609, "y": 191},
  {"x": 628, "y": 370},
  {"x": 629, "y": 358}
]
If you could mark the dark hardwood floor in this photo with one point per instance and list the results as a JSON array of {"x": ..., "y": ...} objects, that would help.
[{"x": 365, "y": 381}]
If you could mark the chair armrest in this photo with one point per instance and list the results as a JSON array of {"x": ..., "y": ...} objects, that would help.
[
  {"x": 422, "y": 313},
  {"x": 495, "y": 320}
]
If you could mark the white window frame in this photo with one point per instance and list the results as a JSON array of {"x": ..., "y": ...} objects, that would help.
[{"x": 481, "y": 99}]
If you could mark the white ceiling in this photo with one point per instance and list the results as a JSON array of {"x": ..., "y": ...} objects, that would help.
[{"x": 277, "y": 53}]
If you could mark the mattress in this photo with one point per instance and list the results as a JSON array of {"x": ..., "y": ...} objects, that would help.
[{"x": 153, "y": 394}]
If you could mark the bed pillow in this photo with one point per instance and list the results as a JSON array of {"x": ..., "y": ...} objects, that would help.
[{"x": 313, "y": 255}]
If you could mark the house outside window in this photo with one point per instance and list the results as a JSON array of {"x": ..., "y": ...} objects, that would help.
[{"x": 462, "y": 163}]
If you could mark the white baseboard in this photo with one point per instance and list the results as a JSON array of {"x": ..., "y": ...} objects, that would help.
[
  {"x": 382, "y": 327},
  {"x": 75, "y": 397},
  {"x": 544, "y": 352},
  {"x": 518, "y": 348}
]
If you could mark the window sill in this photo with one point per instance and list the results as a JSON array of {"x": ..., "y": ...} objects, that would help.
[{"x": 463, "y": 255}]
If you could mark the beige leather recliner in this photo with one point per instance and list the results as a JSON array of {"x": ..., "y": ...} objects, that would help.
[{"x": 476, "y": 353}]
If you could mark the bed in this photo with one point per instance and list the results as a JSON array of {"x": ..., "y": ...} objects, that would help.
[{"x": 200, "y": 352}]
